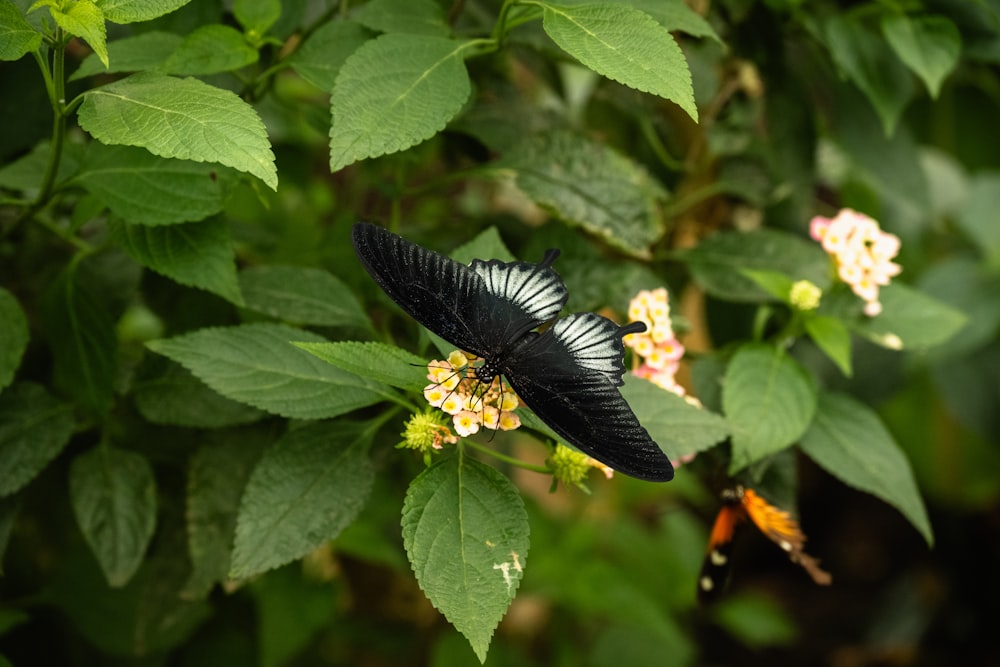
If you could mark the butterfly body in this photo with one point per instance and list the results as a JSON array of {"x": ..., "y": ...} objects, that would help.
[{"x": 568, "y": 374}]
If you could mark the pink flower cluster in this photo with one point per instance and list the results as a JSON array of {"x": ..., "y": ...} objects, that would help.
[
  {"x": 455, "y": 389},
  {"x": 863, "y": 253},
  {"x": 658, "y": 347}
]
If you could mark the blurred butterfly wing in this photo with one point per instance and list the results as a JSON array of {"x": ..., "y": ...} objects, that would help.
[
  {"x": 443, "y": 295},
  {"x": 484, "y": 308},
  {"x": 569, "y": 376}
]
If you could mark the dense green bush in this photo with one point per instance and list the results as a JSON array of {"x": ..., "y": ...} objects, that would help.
[{"x": 202, "y": 393}]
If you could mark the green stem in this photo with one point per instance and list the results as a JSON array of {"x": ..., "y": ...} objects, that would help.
[
  {"x": 57, "y": 95},
  {"x": 545, "y": 470}
]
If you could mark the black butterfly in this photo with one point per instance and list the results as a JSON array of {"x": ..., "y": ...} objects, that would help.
[{"x": 568, "y": 374}]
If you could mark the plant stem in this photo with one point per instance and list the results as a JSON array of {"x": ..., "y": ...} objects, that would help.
[{"x": 545, "y": 470}]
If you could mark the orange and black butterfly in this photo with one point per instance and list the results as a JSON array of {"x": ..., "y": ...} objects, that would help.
[{"x": 740, "y": 503}]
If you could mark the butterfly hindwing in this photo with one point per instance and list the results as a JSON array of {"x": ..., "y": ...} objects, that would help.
[
  {"x": 535, "y": 290},
  {"x": 569, "y": 376}
]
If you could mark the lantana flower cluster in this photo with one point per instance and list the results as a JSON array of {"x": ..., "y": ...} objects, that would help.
[
  {"x": 863, "y": 253},
  {"x": 658, "y": 347},
  {"x": 471, "y": 403}
]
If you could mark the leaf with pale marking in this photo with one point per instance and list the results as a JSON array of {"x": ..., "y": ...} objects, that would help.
[
  {"x": 306, "y": 488},
  {"x": 769, "y": 401},
  {"x": 199, "y": 254},
  {"x": 624, "y": 44},
  {"x": 113, "y": 494},
  {"x": 466, "y": 534},
  {"x": 393, "y": 93},
  {"x": 849, "y": 440},
  {"x": 180, "y": 118},
  {"x": 257, "y": 364}
]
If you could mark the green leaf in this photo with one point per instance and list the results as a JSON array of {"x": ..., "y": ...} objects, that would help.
[
  {"x": 82, "y": 340},
  {"x": 211, "y": 49},
  {"x": 176, "y": 397},
  {"x": 149, "y": 190},
  {"x": 322, "y": 55},
  {"x": 870, "y": 63},
  {"x": 677, "y": 426},
  {"x": 394, "y": 92},
  {"x": 113, "y": 494},
  {"x": 14, "y": 336},
  {"x": 977, "y": 217},
  {"x": 588, "y": 184},
  {"x": 910, "y": 319},
  {"x": 831, "y": 336},
  {"x": 134, "y": 11},
  {"x": 305, "y": 489},
  {"x": 213, "y": 500},
  {"x": 34, "y": 428},
  {"x": 257, "y": 15},
  {"x": 257, "y": 364},
  {"x": 199, "y": 254},
  {"x": 675, "y": 15},
  {"x": 17, "y": 37},
  {"x": 293, "y": 613},
  {"x": 180, "y": 118},
  {"x": 851, "y": 443},
  {"x": 769, "y": 401},
  {"x": 719, "y": 263},
  {"x": 27, "y": 172},
  {"x": 8, "y": 513},
  {"x": 929, "y": 45},
  {"x": 415, "y": 17},
  {"x": 148, "y": 50},
  {"x": 466, "y": 534},
  {"x": 624, "y": 44},
  {"x": 757, "y": 621},
  {"x": 486, "y": 243},
  {"x": 778, "y": 285},
  {"x": 83, "y": 19},
  {"x": 380, "y": 362},
  {"x": 966, "y": 284},
  {"x": 302, "y": 295}
]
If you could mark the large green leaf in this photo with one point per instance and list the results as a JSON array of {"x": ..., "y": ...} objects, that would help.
[
  {"x": 393, "y": 93},
  {"x": 34, "y": 428},
  {"x": 172, "y": 395},
  {"x": 210, "y": 49},
  {"x": 320, "y": 58},
  {"x": 180, "y": 118},
  {"x": 623, "y": 44},
  {"x": 720, "y": 261},
  {"x": 769, "y": 401},
  {"x": 590, "y": 185},
  {"x": 258, "y": 365},
  {"x": 199, "y": 254},
  {"x": 17, "y": 37},
  {"x": 13, "y": 336},
  {"x": 380, "y": 362},
  {"x": 929, "y": 45},
  {"x": 133, "y": 11},
  {"x": 871, "y": 64},
  {"x": 910, "y": 319},
  {"x": 677, "y": 426},
  {"x": 415, "y": 17},
  {"x": 213, "y": 500},
  {"x": 305, "y": 489},
  {"x": 82, "y": 339},
  {"x": 302, "y": 295},
  {"x": 149, "y": 190},
  {"x": 145, "y": 51},
  {"x": 114, "y": 499},
  {"x": 83, "y": 19},
  {"x": 466, "y": 534},
  {"x": 851, "y": 443}
]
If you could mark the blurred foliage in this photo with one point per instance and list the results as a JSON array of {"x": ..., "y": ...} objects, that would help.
[{"x": 181, "y": 485}]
